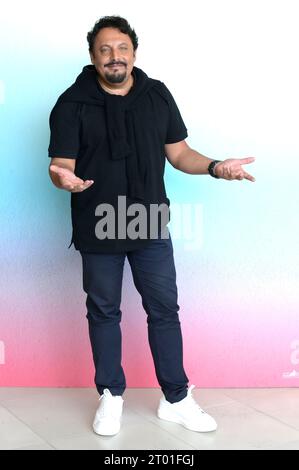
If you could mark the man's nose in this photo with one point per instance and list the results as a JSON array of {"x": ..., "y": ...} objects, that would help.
[{"x": 114, "y": 54}]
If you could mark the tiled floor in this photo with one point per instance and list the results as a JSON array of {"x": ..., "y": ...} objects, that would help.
[{"x": 43, "y": 418}]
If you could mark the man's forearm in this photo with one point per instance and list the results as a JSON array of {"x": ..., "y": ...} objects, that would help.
[{"x": 193, "y": 162}]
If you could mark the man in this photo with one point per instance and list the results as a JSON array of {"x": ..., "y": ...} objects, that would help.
[{"x": 110, "y": 133}]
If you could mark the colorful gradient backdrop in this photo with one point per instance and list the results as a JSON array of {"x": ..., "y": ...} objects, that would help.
[{"x": 232, "y": 67}]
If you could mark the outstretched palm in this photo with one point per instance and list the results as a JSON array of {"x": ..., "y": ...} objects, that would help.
[{"x": 69, "y": 181}]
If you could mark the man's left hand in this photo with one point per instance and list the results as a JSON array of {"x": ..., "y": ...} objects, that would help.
[{"x": 231, "y": 169}]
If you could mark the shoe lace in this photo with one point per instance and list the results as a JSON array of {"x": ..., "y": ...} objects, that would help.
[
  {"x": 108, "y": 404},
  {"x": 191, "y": 401}
]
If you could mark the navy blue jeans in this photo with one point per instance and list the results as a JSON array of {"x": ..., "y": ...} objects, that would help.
[{"x": 154, "y": 277}]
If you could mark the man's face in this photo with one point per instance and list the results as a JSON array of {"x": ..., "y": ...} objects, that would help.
[{"x": 113, "y": 55}]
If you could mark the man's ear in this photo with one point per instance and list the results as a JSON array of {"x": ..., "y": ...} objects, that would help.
[
  {"x": 91, "y": 57},
  {"x": 135, "y": 55}
]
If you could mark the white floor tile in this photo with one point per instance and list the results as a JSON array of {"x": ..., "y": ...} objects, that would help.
[
  {"x": 282, "y": 404},
  {"x": 14, "y": 434},
  {"x": 294, "y": 445},
  {"x": 36, "y": 447},
  {"x": 241, "y": 427},
  {"x": 136, "y": 433},
  {"x": 52, "y": 413}
]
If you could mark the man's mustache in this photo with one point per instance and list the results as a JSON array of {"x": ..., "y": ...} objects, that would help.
[{"x": 115, "y": 63}]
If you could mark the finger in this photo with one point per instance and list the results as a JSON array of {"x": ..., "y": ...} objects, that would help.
[
  {"x": 249, "y": 177},
  {"x": 77, "y": 189},
  {"x": 87, "y": 184},
  {"x": 81, "y": 187},
  {"x": 69, "y": 185},
  {"x": 76, "y": 181},
  {"x": 244, "y": 161},
  {"x": 71, "y": 181}
]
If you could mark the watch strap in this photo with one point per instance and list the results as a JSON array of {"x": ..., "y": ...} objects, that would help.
[{"x": 211, "y": 168}]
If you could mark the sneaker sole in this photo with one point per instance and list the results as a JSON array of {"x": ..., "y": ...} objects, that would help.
[
  {"x": 106, "y": 433},
  {"x": 171, "y": 419}
]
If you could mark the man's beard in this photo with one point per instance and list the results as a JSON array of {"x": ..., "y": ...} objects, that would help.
[{"x": 115, "y": 77}]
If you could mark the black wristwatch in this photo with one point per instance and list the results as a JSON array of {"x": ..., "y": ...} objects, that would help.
[{"x": 211, "y": 168}]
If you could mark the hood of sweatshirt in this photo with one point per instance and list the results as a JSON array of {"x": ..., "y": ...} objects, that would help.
[{"x": 86, "y": 88}]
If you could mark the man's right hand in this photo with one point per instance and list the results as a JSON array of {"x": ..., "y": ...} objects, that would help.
[{"x": 69, "y": 181}]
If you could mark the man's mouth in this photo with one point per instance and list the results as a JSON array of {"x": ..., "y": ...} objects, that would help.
[{"x": 113, "y": 66}]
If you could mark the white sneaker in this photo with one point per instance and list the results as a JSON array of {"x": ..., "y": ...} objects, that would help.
[
  {"x": 187, "y": 413},
  {"x": 108, "y": 416}
]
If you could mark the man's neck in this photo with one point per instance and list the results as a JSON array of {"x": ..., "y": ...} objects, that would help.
[{"x": 114, "y": 89}]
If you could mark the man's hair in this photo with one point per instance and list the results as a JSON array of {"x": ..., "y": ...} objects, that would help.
[{"x": 112, "y": 22}]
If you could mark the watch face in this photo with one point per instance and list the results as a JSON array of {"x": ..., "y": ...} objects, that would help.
[{"x": 211, "y": 168}]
